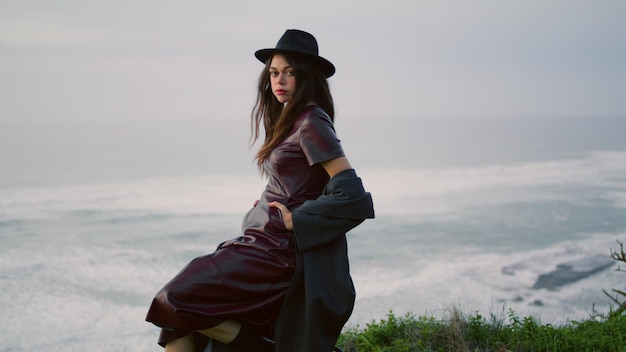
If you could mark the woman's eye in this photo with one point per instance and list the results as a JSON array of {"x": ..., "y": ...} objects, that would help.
[{"x": 287, "y": 73}]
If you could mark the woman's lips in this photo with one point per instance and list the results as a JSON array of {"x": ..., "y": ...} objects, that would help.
[{"x": 280, "y": 91}]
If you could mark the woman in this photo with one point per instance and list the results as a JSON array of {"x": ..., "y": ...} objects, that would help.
[{"x": 269, "y": 289}]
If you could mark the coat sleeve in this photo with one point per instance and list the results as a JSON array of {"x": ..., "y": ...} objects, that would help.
[{"x": 343, "y": 205}]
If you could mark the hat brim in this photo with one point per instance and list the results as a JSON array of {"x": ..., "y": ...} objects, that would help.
[{"x": 325, "y": 66}]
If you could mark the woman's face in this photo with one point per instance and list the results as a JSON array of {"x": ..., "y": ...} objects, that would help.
[{"x": 282, "y": 78}]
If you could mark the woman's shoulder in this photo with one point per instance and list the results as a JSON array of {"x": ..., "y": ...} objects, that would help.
[{"x": 314, "y": 114}]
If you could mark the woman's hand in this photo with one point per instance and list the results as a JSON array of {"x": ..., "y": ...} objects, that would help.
[{"x": 284, "y": 213}]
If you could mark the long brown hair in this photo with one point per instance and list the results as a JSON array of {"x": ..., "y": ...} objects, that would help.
[{"x": 278, "y": 119}]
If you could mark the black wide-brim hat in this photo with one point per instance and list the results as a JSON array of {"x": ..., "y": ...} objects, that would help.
[{"x": 301, "y": 43}]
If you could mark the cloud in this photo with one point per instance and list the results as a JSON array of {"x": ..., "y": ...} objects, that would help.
[
  {"x": 36, "y": 35},
  {"x": 151, "y": 59}
]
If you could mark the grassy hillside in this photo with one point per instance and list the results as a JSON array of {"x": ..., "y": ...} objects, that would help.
[{"x": 602, "y": 332}]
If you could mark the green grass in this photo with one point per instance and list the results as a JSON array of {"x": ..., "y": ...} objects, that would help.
[
  {"x": 506, "y": 332},
  {"x": 477, "y": 333}
]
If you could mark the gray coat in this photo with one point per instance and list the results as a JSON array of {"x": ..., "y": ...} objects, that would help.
[{"x": 321, "y": 295}]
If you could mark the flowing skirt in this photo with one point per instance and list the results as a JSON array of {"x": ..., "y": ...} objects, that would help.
[{"x": 243, "y": 281}]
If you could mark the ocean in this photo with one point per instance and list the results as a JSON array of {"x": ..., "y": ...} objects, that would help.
[{"x": 469, "y": 214}]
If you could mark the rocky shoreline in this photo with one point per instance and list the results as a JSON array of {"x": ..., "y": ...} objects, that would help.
[{"x": 566, "y": 272}]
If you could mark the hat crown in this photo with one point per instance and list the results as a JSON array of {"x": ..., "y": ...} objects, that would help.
[{"x": 297, "y": 40}]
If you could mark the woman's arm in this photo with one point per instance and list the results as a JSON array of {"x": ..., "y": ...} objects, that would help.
[
  {"x": 335, "y": 166},
  {"x": 332, "y": 167}
]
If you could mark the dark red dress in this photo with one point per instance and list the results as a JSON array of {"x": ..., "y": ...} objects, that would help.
[{"x": 246, "y": 278}]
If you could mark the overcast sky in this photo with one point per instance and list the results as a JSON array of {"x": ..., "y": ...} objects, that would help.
[{"x": 142, "y": 60}]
